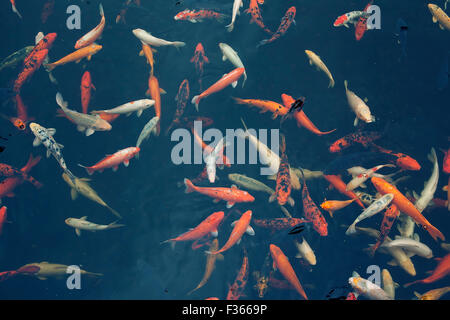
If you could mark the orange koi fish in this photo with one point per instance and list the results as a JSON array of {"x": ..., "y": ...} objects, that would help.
[
  {"x": 236, "y": 290},
  {"x": 47, "y": 10},
  {"x": 333, "y": 205},
  {"x": 14, "y": 9},
  {"x": 361, "y": 25},
  {"x": 339, "y": 185},
  {"x": 446, "y": 162},
  {"x": 147, "y": 51},
  {"x": 90, "y": 37},
  {"x": 29, "y": 68},
  {"x": 281, "y": 262},
  {"x": 434, "y": 294},
  {"x": 113, "y": 160},
  {"x": 227, "y": 79},
  {"x": 283, "y": 189},
  {"x": 45, "y": 43},
  {"x": 198, "y": 16},
  {"x": 86, "y": 87},
  {"x": 441, "y": 271},
  {"x": 17, "y": 122},
  {"x": 312, "y": 212},
  {"x": 390, "y": 214},
  {"x": 199, "y": 59},
  {"x": 284, "y": 26},
  {"x": 77, "y": 56},
  {"x": 301, "y": 118},
  {"x": 154, "y": 91},
  {"x": 2, "y": 217},
  {"x": 241, "y": 226},
  {"x": 364, "y": 138},
  {"x": 254, "y": 11},
  {"x": 406, "y": 206},
  {"x": 207, "y": 226},
  {"x": 181, "y": 99},
  {"x": 8, "y": 185},
  {"x": 265, "y": 105},
  {"x": 403, "y": 161},
  {"x": 230, "y": 195},
  {"x": 8, "y": 171}
]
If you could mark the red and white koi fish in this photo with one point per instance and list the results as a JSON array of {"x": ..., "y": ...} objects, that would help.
[
  {"x": 113, "y": 160},
  {"x": 198, "y": 16},
  {"x": 350, "y": 18},
  {"x": 90, "y": 37},
  {"x": 225, "y": 81}
]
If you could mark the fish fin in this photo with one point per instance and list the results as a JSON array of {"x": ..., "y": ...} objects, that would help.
[
  {"x": 51, "y": 131},
  {"x": 214, "y": 233},
  {"x": 291, "y": 201},
  {"x": 73, "y": 194},
  {"x": 48, "y": 154},
  {"x": 195, "y": 101},
  {"x": 273, "y": 197},
  {"x": 250, "y": 231},
  {"x": 392, "y": 263},
  {"x": 220, "y": 257},
  {"x": 274, "y": 266},
  {"x": 224, "y": 58},
  {"x": 78, "y": 232},
  {"x": 189, "y": 186},
  {"x": 89, "y": 132},
  {"x": 162, "y": 91},
  {"x": 115, "y": 168},
  {"x": 230, "y": 204},
  {"x": 434, "y": 19},
  {"x": 239, "y": 241},
  {"x": 141, "y": 53},
  {"x": 351, "y": 229},
  {"x": 36, "y": 142},
  {"x": 126, "y": 163},
  {"x": 139, "y": 112},
  {"x": 234, "y": 84},
  {"x": 355, "y": 123}
]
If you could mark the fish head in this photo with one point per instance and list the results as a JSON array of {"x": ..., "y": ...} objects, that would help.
[
  {"x": 358, "y": 284},
  {"x": 96, "y": 48},
  {"x": 102, "y": 125},
  {"x": 340, "y": 20},
  {"x": 275, "y": 251},
  {"x": 199, "y": 48},
  {"x": 432, "y": 7},
  {"x": 287, "y": 100},
  {"x": 68, "y": 221},
  {"x": 19, "y": 124},
  {"x": 247, "y": 197},
  {"x": 406, "y": 162}
]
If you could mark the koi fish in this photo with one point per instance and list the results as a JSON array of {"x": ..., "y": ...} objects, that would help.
[
  {"x": 16, "y": 122},
  {"x": 441, "y": 271},
  {"x": 405, "y": 206},
  {"x": 232, "y": 56},
  {"x": 314, "y": 59},
  {"x": 411, "y": 246},
  {"x": 85, "y": 52},
  {"x": 439, "y": 16},
  {"x": 305, "y": 252},
  {"x": 430, "y": 186},
  {"x": 312, "y": 212},
  {"x": 350, "y": 18},
  {"x": 148, "y": 129},
  {"x": 227, "y": 79},
  {"x": 45, "y": 136},
  {"x": 236, "y": 290},
  {"x": 283, "y": 188},
  {"x": 14, "y": 9},
  {"x": 199, "y": 59},
  {"x": 45, "y": 270},
  {"x": 388, "y": 284},
  {"x": 236, "y": 5},
  {"x": 358, "y": 106},
  {"x": 147, "y": 38},
  {"x": 377, "y": 206},
  {"x": 8, "y": 171},
  {"x": 279, "y": 224},
  {"x": 255, "y": 12},
  {"x": 47, "y": 10},
  {"x": 401, "y": 160},
  {"x": 361, "y": 25},
  {"x": 86, "y": 87},
  {"x": 389, "y": 217},
  {"x": 181, "y": 99},
  {"x": 90, "y": 37},
  {"x": 240, "y": 227},
  {"x": 8, "y": 185},
  {"x": 284, "y": 26},
  {"x": 446, "y": 162},
  {"x": 368, "y": 289},
  {"x": 83, "y": 224},
  {"x": 13, "y": 59},
  {"x": 113, "y": 160},
  {"x": 198, "y": 16},
  {"x": 230, "y": 195},
  {"x": 333, "y": 205},
  {"x": 148, "y": 52},
  {"x": 22, "y": 113},
  {"x": 249, "y": 183},
  {"x": 362, "y": 137},
  {"x": 29, "y": 69},
  {"x": 45, "y": 43},
  {"x": 128, "y": 108},
  {"x": 3, "y": 216},
  {"x": 301, "y": 118},
  {"x": 359, "y": 179},
  {"x": 281, "y": 262},
  {"x": 85, "y": 122},
  {"x": 265, "y": 105},
  {"x": 81, "y": 186},
  {"x": 339, "y": 185},
  {"x": 210, "y": 265},
  {"x": 434, "y": 294}
]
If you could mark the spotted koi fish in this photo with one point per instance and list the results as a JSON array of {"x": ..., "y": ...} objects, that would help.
[
  {"x": 361, "y": 25},
  {"x": 253, "y": 10},
  {"x": 283, "y": 189},
  {"x": 181, "y": 99},
  {"x": 312, "y": 212},
  {"x": 199, "y": 59},
  {"x": 279, "y": 224},
  {"x": 198, "y": 16},
  {"x": 45, "y": 43},
  {"x": 390, "y": 214},
  {"x": 362, "y": 137},
  {"x": 29, "y": 68},
  {"x": 236, "y": 290},
  {"x": 402, "y": 160},
  {"x": 284, "y": 26}
]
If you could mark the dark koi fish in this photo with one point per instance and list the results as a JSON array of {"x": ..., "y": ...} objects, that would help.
[
  {"x": 181, "y": 98},
  {"x": 283, "y": 189},
  {"x": 237, "y": 289},
  {"x": 362, "y": 137},
  {"x": 284, "y": 26},
  {"x": 199, "y": 59},
  {"x": 255, "y": 13},
  {"x": 279, "y": 224},
  {"x": 390, "y": 214}
]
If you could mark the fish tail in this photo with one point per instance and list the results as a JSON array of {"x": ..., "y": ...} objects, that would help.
[
  {"x": 346, "y": 85},
  {"x": 196, "y": 101},
  {"x": 351, "y": 229},
  {"x": 245, "y": 79},
  {"x": 89, "y": 170},
  {"x": 178, "y": 44},
  {"x": 411, "y": 283},
  {"x": 114, "y": 225},
  {"x": 114, "y": 212},
  {"x": 230, "y": 27},
  {"x": 221, "y": 18},
  {"x": 60, "y": 101},
  {"x": 93, "y": 274},
  {"x": 326, "y": 132},
  {"x": 238, "y": 100},
  {"x": 102, "y": 13},
  {"x": 331, "y": 85},
  {"x": 189, "y": 186},
  {"x": 14, "y": 9},
  {"x": 434, "y": 232},
  {"x": 262, "y": 42}
]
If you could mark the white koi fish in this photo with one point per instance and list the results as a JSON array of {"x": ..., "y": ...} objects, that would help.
[
  {"x": 315, "y": 60},
  {"x": 147, "y": 38},
  {"x": 232, "y": 56},
  {"x": 236, "y": 5},
  {"x": 363, "y": 176},
  {"x": 90, "y": 37},
  {"x": 211, "y": 160},
  {"x": 137, "y": 106},
  {"x": 430, "y": 186},
  {"x": 410, "y": 245},
  {"x": 148, "y": 129},
  {"x": 368, "y": 289},
  {"x": 305, "y": 252},
  {"x": 83, "y": 224},
  {"x": 358, "y": 106}
]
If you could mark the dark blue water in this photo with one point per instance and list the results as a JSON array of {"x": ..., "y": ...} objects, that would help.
[{"x": 404, "y": 93}]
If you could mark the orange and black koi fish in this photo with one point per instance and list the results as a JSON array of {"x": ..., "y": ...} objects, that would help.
[
  {"x": 182, "y": 99},
  {"x": 8, "y": 171},
  {"x": 390, "y": 214},
  {"x": 45, "y": 43},
  {"x": 312, "y": 212},
  {"x": 283, "y": 189},
  {"x": 29, "y": 68},
  {"x": 199, "y": 59},
  {"x": 47, "y": 10},
  {"x": 236, "y": 290},
  {"x": 254, "y": 11},
  {"x": 362, "y": 137},
  {"x": 339, "y": 185},
  {"x": 402, "y": 160},
  {"x": 284, "y": 26},
  {"x": 279, "y": 224},
  {"x": 361, "y": 26}
]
